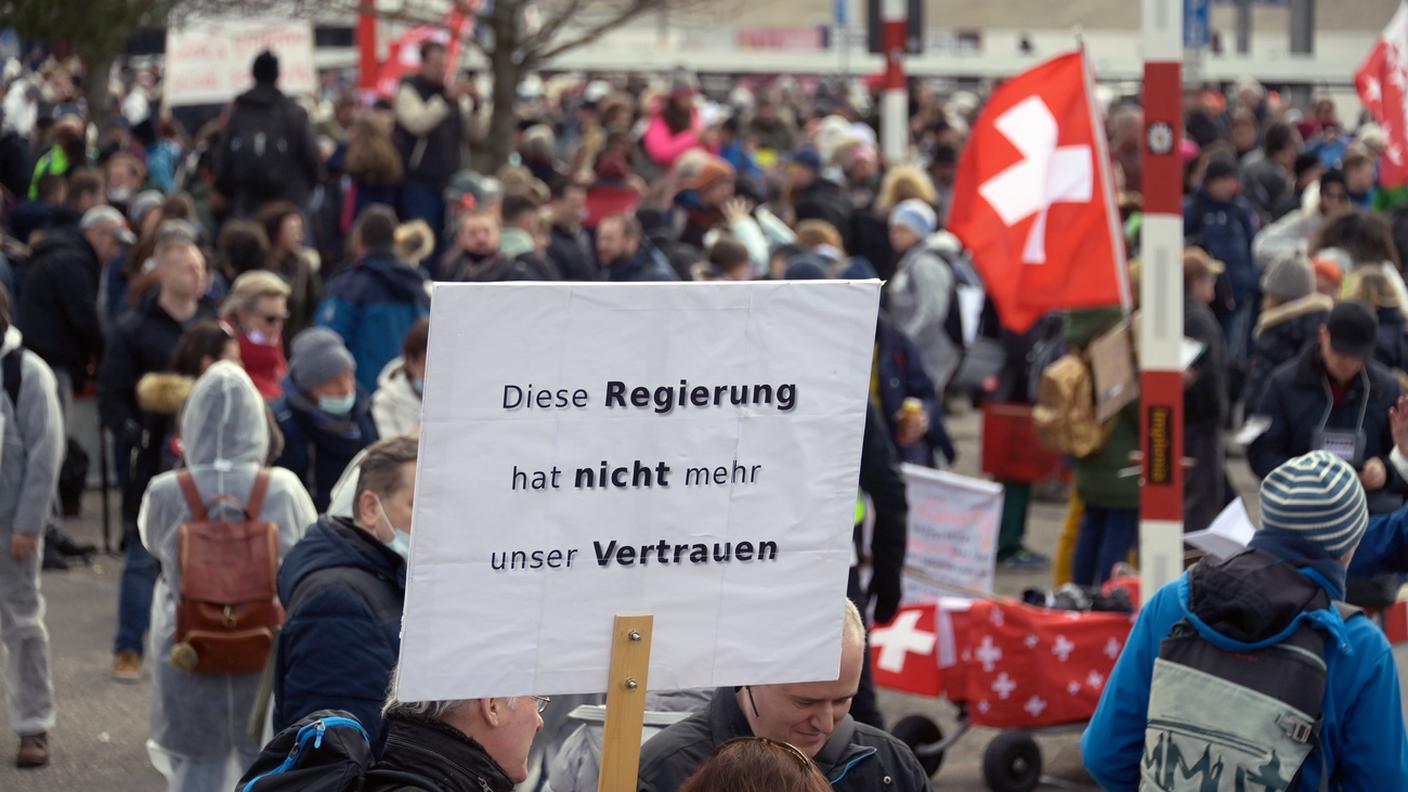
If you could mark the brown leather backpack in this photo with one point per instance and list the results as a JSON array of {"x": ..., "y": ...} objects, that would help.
[{"x": 229, "y": 608}]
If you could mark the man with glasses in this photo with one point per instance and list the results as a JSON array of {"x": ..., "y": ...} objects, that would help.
[
  {"x": 1293, "y": 233},
  {"x": 343, "y": 586},
  {"x": 479, "y": 745},
  {"x": 813, "y": 717}
]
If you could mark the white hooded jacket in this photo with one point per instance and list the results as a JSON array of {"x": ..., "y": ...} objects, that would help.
[
  {"x": 226, "y": 437},
  {"x": 395, "y": 405}
]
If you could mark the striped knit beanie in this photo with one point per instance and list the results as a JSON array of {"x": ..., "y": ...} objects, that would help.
[{"x": 1316, "y": 498}]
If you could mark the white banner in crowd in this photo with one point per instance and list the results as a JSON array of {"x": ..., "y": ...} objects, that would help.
[
  {"x": 208, "y": 61},
  {"x": 689, "y": 451},
  {"x": 953, "y": 523}
]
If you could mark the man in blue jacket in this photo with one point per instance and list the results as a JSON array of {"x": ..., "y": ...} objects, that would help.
[
  {"x": 1313, "y": 518},
  {"x": 344, "y": 584},
  {"x": 375, "y": 302}
]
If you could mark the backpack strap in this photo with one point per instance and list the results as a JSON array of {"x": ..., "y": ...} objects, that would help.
[
  {"x": 255, "y": 506},
  {"x": 13, "y": 372},
  {"x": 193, "y": 499}
]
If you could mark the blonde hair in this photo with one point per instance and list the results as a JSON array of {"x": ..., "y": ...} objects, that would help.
[
  {"x": 814, "y": 233},
  {"x": 901, "y": 183},
  {"x": 251, "y": 287}
]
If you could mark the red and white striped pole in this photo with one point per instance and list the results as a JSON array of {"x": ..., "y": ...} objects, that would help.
[
  {"x": 1161, "y": 298},
  {"x": 367, "y": 63},
  {"x": 894, "y": 102}
]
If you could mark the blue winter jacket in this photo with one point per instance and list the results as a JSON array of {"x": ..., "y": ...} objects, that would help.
[
  {"x": 372, "y": 305},
  {"x": 1225, "y": 231},
  {"x": 333, "y": 652},
  {"x": 1362, "y": 733},
  {"x": 318, "y": 446}
]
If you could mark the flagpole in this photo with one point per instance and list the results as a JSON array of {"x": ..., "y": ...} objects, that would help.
[{"x": 1161, "y": 298}]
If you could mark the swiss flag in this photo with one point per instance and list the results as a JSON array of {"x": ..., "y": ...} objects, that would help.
[
  {"x": 904, "y": 654},
  {"x": 1033, "y": 200},
  {"x": 403, "y": 55},
  {"x": 1381, "y": 82}
]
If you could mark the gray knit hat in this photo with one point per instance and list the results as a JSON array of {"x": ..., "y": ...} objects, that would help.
[
  {"x": 1288, "y": 278},
  {"x": 1316, "y": 498},
  {"x": 318, "y": 356}
]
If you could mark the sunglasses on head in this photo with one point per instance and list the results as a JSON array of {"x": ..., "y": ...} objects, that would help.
[{"x": 785, "y": 747}]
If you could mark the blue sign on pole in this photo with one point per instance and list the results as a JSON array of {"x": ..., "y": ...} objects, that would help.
[
  {"x": 1197, "y": 29},
  {"x": 843, "y": 13}
]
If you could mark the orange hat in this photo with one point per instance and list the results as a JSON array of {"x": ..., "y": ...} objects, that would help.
[
  {"x": 1329, "y": 270},
  {"x": 713, "y": 171}
]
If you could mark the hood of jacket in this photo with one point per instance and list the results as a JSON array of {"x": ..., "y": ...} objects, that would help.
[
  {"x": 1309, "y": 305},
  {"x": 1262, "y": 595},
  {"x": 443, "y": 756},
  {"x": 404, "y": 282},
  {"x": 299, "y": 402},
  {"x": 224, "y": 422},
  {"x": 514, "y": 242},
  {"x": 262, "y": 95},
  {"x": 13, "y": 340},
  {"x": 395, "y": 382},
  {"x": 338, "y": 542},
  {"x": 163, "y": 393}
]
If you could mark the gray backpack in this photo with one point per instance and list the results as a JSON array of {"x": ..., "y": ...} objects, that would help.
[{"x": 1234, "y": 721}]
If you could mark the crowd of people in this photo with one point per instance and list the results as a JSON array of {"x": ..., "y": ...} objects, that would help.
[{"x": 250, "y": 303}]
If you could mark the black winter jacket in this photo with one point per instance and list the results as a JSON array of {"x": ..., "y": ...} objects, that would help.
[
  {"x": 1392, "y": 348},
  {"x": 433, "y": 158},
  {"x": 423, "y": 755},
  {"x": 334, "y": 652},
  {"x": 58, "y": 310},
  {"x": 265, "y": 107},
  {"x": 1297, "y": 400},
  {"x": 857, "y": 757},
  {"x": 143, "y": 340},
  {"x": 1281, "y": 334}
]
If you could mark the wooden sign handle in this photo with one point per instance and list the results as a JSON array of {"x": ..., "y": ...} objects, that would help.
[{"x": 625, "y": 703}]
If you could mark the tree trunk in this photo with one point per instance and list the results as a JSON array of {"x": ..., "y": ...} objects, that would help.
[
  {"x": 507, "y": 73},
  {"x": 98, "y": 67}
]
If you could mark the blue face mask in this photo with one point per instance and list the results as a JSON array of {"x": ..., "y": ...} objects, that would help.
[
  {"x": 418, "y": 385},
  {"x": 400, "y": 543},
  {"x": 337, "y": 405}
]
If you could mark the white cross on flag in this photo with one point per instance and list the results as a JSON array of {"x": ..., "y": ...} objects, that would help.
[
  {"x": 1033, "y": 200},
  {"x": 1381, "y": 81}
]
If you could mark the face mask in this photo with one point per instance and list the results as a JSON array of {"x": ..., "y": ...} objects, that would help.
[
  {"x": 119, "y": 194},
  {"x": 418, "y": 385},
  {"x": 400, "y": 543},
  {"x": 256, "y": 337},
  {"x": 337, "y": 405}
]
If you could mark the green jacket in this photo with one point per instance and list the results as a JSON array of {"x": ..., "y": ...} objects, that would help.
[{"x": 1097, "y": 476}]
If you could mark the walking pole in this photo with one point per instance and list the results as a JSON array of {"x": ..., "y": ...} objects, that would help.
[{"x": 103, "y": 465}]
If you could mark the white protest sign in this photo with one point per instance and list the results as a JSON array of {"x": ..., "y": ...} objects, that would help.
[
  {"x": 689, "y": 451},
  {"x": 953, "y": 523},
  {"x": 208, "y": 61}
]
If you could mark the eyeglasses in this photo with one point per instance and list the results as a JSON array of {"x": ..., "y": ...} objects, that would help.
[
  {"x": 785, "y": 747},
  {"x": 542, "y": 703}
]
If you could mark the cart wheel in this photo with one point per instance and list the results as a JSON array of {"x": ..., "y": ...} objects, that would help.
[
  {"x": 921, "y": 735},
  {"x": 1012, "y": 763}
]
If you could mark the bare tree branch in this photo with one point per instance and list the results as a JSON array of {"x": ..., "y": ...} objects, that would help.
[{"x": 631, "y": 10}]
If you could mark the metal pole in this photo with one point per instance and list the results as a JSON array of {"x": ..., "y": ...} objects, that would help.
[
  {"x": 894, "y": 107},
  {"x": 1302, "y": 27},
  {"x": 1244, "y": 27},
  {"x": 1161, "y": 289}
]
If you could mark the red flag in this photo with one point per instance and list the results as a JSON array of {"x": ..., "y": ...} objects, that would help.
[
  {"x": 1381, "y": 82},
  {"x": 1033, "y": 200},
  {"x": 403, "y": 54},
  {"x": 904, "y": 654}
]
